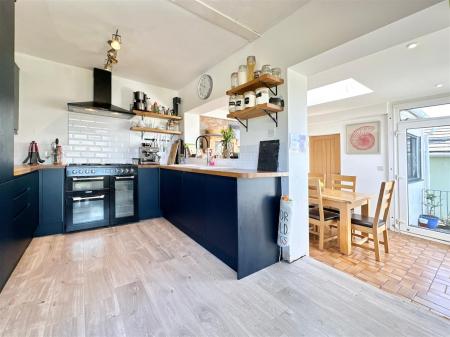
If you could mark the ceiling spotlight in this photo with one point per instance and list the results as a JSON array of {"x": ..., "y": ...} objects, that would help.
[
  {"x": 115, "y": 41},
  {"x": 439, "y": 85},
  {"x": 412, "y": 45}
]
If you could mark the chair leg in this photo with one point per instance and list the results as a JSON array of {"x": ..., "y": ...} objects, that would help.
[
  {"x": 386, "y": 241},
  {"x": 321, "y": 237},
  {"x": 376, "y": 244}
]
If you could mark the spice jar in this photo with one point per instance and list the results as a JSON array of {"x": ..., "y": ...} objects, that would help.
[
  {"x": 250, "y": 99},
  {"x": 242, "y": 74},
  {"x": 262, "y": 95},
  {"x": 232, "y": 104},
  {"x": 256, "y": 74},
  {"x": 276, "y": 72},
  {"x": 240, "y": 102},
  {"x": 251, "y": 63},
  {"x": 266, "y": 69},
  {"x": 234, "y": 80}
]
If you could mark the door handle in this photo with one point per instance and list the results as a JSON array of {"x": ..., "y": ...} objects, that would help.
[
  {"x": 81, "y": 179},
  {"x": 88, "y": 198},
  {"x": 127, "y": 177}
]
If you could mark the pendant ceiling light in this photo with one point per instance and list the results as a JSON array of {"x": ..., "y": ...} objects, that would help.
[{"x": 111, "y": 55}]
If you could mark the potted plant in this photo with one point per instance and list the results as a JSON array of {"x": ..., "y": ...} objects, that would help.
[
  {"x": 228, "y": 136},
  {"x": 431, "y": 202}
]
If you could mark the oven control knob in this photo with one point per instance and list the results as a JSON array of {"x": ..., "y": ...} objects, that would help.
[
  {"x": 126, "y": 170},
  {"x": 74, "y": 171},
  {"x": 92, "y": 171},
  {"x": 86, "y": 171}
]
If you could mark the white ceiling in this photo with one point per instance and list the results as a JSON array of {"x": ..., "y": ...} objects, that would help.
[
  {"x": 394, "y": 74},
  {"x": 163, "y": 43}
]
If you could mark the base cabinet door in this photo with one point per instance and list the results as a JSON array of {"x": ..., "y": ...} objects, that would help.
[
  {"x": 51, "y": 202},
  {"x": 171, "y": 199},
  {"x": 148, "y": 191}
]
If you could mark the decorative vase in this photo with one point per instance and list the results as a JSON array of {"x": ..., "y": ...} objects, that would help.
[{"x": 226, "y": 150}]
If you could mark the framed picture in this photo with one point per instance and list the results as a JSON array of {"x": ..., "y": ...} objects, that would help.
[{"x": 363, "y": 138}]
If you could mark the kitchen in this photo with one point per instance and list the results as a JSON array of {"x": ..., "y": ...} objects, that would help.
[{"x": 114, "y": 154}]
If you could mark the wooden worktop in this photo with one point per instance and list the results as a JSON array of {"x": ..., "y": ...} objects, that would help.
[
  {"x": 225, "y": 172},
  {"x": 24, "y": 169},
  {"x": 148, "y": 165}
]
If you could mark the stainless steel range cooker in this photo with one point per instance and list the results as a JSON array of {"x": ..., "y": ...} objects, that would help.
[{"x": 100, "y": 195}]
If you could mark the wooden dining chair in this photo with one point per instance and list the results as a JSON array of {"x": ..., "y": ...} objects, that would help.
[
  {"x": 374, "y": 227},
  {"x": 343, "y": 183},
  {"x": 319, "y": 219},
  {"x": 320, "y": 176}
]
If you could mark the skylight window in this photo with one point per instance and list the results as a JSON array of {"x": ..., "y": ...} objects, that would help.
[{"x": 337, "y": 91}]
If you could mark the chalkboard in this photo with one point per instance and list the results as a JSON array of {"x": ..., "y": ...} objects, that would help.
[{"x": 268, "y": 155}]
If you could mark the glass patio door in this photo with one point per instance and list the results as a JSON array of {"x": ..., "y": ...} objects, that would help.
[{"x": 424, "y": 172}]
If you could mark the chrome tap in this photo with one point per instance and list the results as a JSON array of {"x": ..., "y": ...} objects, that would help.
[{"x": 207, "y": 148}]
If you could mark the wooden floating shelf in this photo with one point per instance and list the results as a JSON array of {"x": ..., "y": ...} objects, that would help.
[
  {"x": 155, "y": 115},
  {"x": 257, "y": 111},
  {"x": 155, "y": 130},
  {"x": 267, "y": 80}
]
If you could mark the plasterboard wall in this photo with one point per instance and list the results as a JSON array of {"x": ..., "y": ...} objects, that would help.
[
  {"x": 370, "y": 169},
  {"x": 45, "y": 89}
]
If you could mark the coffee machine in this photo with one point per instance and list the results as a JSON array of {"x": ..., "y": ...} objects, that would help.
[{"x": 148, "y": 152}]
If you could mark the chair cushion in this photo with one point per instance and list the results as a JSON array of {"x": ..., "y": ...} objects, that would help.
[
  {"x": 314, "y": 213},
  {"x": 365, "y": 221}
]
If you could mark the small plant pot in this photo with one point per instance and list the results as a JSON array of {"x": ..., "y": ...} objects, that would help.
[{"x": 428, "y": 221}]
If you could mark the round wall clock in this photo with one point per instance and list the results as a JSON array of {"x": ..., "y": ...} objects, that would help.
[{"x": 204, "y": 87}]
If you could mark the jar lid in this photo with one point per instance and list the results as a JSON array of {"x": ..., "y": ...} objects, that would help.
[
  {"x": 239, "y": 96},
  {"x": 262, "y": 89},
  {"x": 242, "y": 66},
  {"x": 249, "y": 93}
]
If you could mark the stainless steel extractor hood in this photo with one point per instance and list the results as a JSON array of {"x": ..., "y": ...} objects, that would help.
[{"x": 101, "y": 105}]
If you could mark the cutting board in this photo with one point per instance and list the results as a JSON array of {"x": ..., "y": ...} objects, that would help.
[{"x": 173, "y": 153}]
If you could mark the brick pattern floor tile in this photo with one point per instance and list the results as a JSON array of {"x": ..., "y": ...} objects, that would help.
[{"x": 415, "y": 268}]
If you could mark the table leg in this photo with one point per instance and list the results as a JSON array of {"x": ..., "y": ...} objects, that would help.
[{"x": 345, "y": 230}]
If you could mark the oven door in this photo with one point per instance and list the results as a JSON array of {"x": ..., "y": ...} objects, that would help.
[
  {"x": 123, "y": 199},
  {"x": 78, "y": 184},
  {"x": 87, "y": 210}
]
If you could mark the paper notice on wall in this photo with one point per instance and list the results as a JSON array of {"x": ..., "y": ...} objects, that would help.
[{"x": 297, "y": 142}]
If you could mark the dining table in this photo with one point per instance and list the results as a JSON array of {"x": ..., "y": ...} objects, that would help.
[{"x": 345, "y": 202}]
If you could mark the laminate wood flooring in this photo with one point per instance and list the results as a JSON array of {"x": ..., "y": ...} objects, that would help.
[{"x": 150, "y": 279}]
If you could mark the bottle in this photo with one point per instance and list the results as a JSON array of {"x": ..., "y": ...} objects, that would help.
[{"x": 251, "y": 63}]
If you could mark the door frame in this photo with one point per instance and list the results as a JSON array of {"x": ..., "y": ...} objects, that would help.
[{"x": 397, "y": 166}]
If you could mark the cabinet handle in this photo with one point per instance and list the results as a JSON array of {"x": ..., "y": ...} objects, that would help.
[
  {"x": 81, "y": 179},
  {"x": 88, "y": 198},
  {"x": 128, "y": 177}
]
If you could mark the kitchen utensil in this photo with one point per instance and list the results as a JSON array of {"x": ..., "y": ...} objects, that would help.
[
  {"x": 173, "y": 153},
  {"x": 33, "y": 157}
]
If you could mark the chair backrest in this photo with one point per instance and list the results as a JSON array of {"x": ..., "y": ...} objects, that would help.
[
  {"x": 320, "y": 176},
  {"x": 315, "y": 195},
  {"x": 384, "y": 201},
  {"x": 343, "y": 183}
]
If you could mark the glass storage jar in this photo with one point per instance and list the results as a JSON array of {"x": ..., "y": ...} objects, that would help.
[
  {"x": 232, "y": 104},
  {"x": 240, "y": 102},
  {"x": 276, "y": 72},
  {"x": 242, "y": 74},
  {"x": 251, "y": 63},
  {"x": 234, "y": 80},
  {"x": 250, "y": 99},
  {"x": 266, "y": 69},
  {"x": 262, "y": 95}
]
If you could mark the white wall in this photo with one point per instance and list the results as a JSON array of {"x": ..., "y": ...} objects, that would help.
[
  {"x": 45, "y": 89},
  {"x": 370, "y": 169}
]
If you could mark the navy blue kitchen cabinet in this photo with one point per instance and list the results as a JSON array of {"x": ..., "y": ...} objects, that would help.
[
  {"x": 234, "y": 219},
  {"x": 7, "y": 85},
  {"x": 18, "y": 220},
  {"x": 148, "y": 191},
  {"x": 51, "y": 202}
]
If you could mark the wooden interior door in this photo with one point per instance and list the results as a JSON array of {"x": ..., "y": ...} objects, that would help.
[{"x": 325, "y": 155}]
